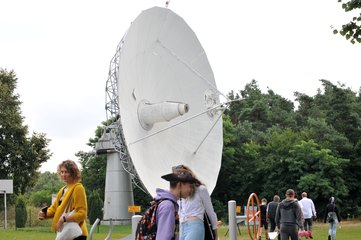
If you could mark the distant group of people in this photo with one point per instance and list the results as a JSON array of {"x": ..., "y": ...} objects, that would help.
[{"x": 294, "y": 218}]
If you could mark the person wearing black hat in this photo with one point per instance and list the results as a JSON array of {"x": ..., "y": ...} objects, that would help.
[
  {"x": 289, "y": 217},
  {"x": 180, "y": 185}
]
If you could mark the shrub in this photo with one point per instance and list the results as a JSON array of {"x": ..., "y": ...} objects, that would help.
[
  {"x": 20, "y": 212},
  {"x": 41, "y": 198},
  {"x": 95, "y": 207}
]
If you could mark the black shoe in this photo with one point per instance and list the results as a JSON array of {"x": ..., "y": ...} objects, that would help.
[{"x": 329, "y": 237}]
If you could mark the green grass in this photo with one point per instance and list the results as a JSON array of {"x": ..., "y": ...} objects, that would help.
[
  {"x": 349, "y": 231},
  {"x": 44, "y": 233}
]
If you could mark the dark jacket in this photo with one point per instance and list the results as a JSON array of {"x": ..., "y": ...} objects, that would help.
[
  {"x": 331, "y": 207},
  {"x": 263, "y": 212},
  {"x": 271, "y": 209},
  {"x": 289, "y": 213}
]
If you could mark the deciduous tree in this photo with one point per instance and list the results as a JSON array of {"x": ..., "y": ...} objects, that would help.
[
  {"x": 21, "y": 155},
  {"x": 351, "y": 30}
]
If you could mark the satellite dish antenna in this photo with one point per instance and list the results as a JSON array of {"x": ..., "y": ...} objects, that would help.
[
  {"x": 168, "y": 100},
  {"x": 164, "y": 102}
]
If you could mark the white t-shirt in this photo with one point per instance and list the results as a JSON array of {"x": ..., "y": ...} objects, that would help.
[
  {"x": 197, "y": 205},
  {"x": 308, "y": 208}
]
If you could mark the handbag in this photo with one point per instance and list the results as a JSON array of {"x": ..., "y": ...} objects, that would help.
[
  {"x": 208, "y": 230},
  {"x": 70, "y": 230},
  {"x": 331, "y": 216}
]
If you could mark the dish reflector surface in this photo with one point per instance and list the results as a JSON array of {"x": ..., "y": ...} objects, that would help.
[{"x": 163, "y": 61}]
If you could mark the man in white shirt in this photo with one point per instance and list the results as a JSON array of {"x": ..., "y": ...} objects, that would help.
[{"x": 309, "y": 211}]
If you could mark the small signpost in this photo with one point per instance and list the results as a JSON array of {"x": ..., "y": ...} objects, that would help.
[
  {"x": 134, "y": 209},
  {"x": 6, "y": 187}
]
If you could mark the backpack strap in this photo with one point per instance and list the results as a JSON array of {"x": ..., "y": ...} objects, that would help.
[{"x": 159, "y": 201}]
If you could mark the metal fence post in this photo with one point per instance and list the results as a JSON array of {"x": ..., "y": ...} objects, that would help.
[
  {"x": 135, "y": 220},
  {"x": 232, "y": 222}
]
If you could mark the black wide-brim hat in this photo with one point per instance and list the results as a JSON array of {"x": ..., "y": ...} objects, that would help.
[{"x": 179, "y": 176}]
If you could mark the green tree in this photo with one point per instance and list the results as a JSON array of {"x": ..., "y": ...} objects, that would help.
[
  {"x": 20, "y": 155},
  {"x": 328, "y": 137},
  {"x": 332, "y": 118},
  {"x": 276, "y": 176},
  {"x": 95, "y": 206},
  {"x": 318, "y": 172},
  {"x": 20, "y": 212},
  {"x": 47, "y": 184},
  {"x": 351, "y": 30},
  {"x": 93, "y": 171},
  {"x": 227, "y": 182},
  {"x": 246, "y": 125},
  {"x": 263, "y": 110}
]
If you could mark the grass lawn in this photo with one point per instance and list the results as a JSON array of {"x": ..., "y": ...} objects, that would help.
[
  {"x": 348, "y": 231},
  {"x": 44, "y": 233}
]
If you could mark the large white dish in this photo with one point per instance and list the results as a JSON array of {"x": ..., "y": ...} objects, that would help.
[{"x": 162, "y": 60}]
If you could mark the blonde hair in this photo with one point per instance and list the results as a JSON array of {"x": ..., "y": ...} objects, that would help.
[{"x": 72, "y": 168}]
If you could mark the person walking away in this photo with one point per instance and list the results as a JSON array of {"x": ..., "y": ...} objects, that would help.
[
  {"x": 264, "y": 223},
  {"x": 271, "y": 212},
  {"x": 333, "y": 217},
  {"x": 289, "y": 217},
  {"x": 309, "y": 212},
  {"x": 72, "y": 193}
]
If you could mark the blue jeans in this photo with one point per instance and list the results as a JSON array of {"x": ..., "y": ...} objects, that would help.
[
  {"x": 332, "y": 230},
  {"x": 192, "y": 230}
]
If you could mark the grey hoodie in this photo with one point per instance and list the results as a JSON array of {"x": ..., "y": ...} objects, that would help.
[
  {"x": 166, "y": 215},
  {"x": 289, "y": 213}
]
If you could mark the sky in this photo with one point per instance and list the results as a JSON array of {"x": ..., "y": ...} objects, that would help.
[{"x": 61, "y": 50}]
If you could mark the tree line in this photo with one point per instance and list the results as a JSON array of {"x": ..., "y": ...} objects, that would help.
[{"x": 270, "y": 146}]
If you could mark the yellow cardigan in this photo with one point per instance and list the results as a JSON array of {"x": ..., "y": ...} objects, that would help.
[{"x": 78, "y": 203}]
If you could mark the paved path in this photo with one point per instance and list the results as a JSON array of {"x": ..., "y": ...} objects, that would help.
[{"x": 129, "y": 237}]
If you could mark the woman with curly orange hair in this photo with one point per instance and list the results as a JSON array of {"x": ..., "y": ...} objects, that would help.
[{"x": 72, "y": 194}]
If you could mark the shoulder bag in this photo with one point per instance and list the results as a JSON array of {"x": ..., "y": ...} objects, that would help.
[
  {"x": 208, "y": 230},
  {"x": 331, "y": 216},
  {"x": 70, "y": 230}
]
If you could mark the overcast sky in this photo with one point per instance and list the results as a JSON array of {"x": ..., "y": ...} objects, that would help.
[{"x": 61, "y": 50}]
